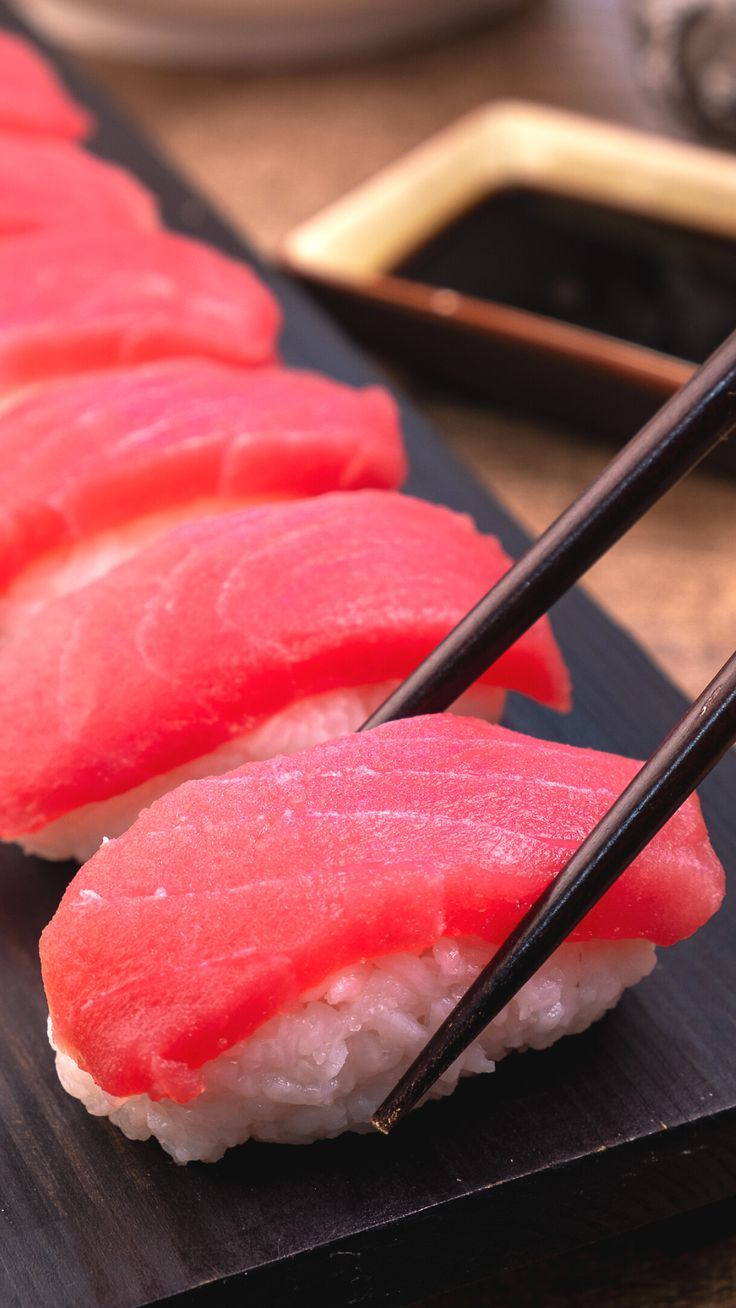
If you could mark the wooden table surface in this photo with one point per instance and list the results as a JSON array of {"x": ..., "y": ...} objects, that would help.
[{"x": 272, "y": 149}]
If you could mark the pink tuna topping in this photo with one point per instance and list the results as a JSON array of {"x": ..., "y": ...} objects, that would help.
[
  {"x": 224, "y": 622},
  {"x": 50, "y": 183},
  {"x": 86, "y": 454},
  {"x": 77, "y": 301},
  {"x": 32, "y": 99},
  {"x": 232, "y": 896}
]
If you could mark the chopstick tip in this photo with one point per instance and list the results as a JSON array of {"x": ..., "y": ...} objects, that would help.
[
  {"x": 382, "y": 1121},
  {"x": 388, "y": 1114},
  {"x": 396, "y": 1105}
]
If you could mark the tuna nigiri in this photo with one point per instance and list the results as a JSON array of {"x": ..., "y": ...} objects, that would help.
[
  {"x": 50, "y": 183},
  {"x": 32, "y": 99},
  {"x": 233, "y": 638},
  {"x": 75, "y": 301},
  {"x": 263, "y": 953},
  {"x": 95, "y": 467}
]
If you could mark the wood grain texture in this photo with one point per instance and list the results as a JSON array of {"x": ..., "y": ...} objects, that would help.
[
  {"x": 689, "y": 1262},
  {"x": 632, "y": 1122}
]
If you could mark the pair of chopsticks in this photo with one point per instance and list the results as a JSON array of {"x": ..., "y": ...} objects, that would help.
[{"x": 684, "y": 430}]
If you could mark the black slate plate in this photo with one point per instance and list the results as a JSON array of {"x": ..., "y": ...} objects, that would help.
[{"x": 630, "y": 1123}]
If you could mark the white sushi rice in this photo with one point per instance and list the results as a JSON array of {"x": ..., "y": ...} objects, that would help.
[
  {"x": 65, "y": 570},
  {"x": 308, "y": 722},
  {"x": 325, "y": 1064}
]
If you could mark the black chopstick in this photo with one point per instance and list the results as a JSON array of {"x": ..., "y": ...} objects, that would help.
[
  {"x": 687, "y": 755},
  {"x": 686, "y": 428}
]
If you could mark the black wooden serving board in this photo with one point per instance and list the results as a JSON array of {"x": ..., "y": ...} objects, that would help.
[{"x": 630, "y": 1123}]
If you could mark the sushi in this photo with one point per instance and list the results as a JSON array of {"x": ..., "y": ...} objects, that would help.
[
  {"x": 50, "y": 183},
  {"x": 233, "y": 638},
  {"x": 92, "y": 468},
  {"x": 263, "y": 953},
  {"x": 77, "y": 301},
  {"x": 32, "y": 99}
]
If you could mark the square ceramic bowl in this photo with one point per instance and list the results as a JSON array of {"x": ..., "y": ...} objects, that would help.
[{"x": 353, "y": 253}]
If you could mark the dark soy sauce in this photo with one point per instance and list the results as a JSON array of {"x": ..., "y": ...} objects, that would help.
[{"x": 644, "y": 281}]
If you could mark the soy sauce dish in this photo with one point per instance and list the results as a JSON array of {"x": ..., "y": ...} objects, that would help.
[{"x": 538, "y": 258}]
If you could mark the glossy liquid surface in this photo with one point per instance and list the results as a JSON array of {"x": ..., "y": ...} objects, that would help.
[{"x": 654, "y": 284}]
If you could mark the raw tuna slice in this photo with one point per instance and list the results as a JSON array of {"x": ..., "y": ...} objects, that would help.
[
  {"x": 236, "y": 637},
  {"x": 32, "y": 99},
  {"x": 49, "y": 183},
  {"x": 76, "y": 301},
  {"x": 95, "y": 467},
  {"x": 273, "y": 946}
]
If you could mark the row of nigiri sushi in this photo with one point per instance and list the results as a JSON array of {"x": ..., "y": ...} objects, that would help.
[
  {"x": 88, "y": 278},
  {"x": 97, "y": 469},
  {"x": 266, "y": 948}
]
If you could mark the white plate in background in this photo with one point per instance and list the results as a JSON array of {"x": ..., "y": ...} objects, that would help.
[{"x": 255, "y": 32}]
